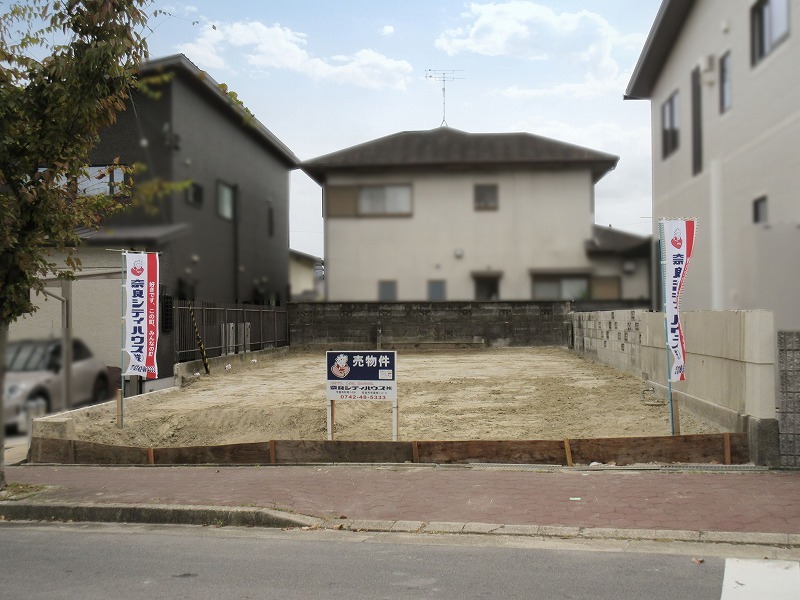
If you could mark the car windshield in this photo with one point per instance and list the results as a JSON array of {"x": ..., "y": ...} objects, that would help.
[{"x": 26, "y": 357}]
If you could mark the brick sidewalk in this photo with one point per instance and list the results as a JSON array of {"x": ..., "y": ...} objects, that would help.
[{"x": 756, "y": 501}]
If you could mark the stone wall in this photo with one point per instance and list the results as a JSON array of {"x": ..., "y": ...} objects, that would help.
[
  {"x": 789, "y": 397},
  {"x": 428, "y": 324}
]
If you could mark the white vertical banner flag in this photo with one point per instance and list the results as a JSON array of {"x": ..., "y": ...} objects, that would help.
[
  {"x": 677, "y": 242},
  {"x": 141, "y": 313}
]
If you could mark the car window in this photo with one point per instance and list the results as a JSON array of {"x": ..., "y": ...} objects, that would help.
[
  {"x": 25, "y": 357},
  {"x": 80, "y": 351}
]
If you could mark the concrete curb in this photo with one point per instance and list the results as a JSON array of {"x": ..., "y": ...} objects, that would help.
[
  {"x": 154, "y": 513},
  {"x": 221, "y": 516}
]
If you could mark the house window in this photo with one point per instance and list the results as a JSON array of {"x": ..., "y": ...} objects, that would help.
[
  {"x": 669, "y": 125},
  {"x": 384, "y": 200},
  {"x": 387, "y": 291},
  {"x": 437, "y": 290},
  {"x": 760, "y": 210},
  {"x": 486, "y": 197},
  {"x": 226, "y": 200},
  {"x": 725, "y": 82},
  {"x": 769, "y": 26},
  {"x": 560, "y": 287},
  {"x": 194, "y": 195},
  {"x": 101, "y": 179},
  {"x": 697, "y": 122},
  {"x": 487, "y": 288}
]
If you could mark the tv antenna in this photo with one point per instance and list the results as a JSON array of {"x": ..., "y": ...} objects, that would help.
[{"x": 444, "y": 77}]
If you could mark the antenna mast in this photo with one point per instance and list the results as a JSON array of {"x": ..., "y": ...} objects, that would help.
[{"x": 444, "y": 77}]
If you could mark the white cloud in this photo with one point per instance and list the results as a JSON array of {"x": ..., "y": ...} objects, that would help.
[
  {"x": 387, "y": 30},
  {"x": 582, "y": 41},
  {"x": 277, "y": 47}
]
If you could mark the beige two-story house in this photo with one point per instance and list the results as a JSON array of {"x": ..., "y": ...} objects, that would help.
[
  {"x": 724, "y": 84},
  {"x": 448, "y": 215}
]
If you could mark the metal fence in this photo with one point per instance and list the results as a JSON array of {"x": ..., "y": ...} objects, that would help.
[{"x": 227, "y": 329}]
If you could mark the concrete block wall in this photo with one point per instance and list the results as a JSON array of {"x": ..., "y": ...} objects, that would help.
[
  {"x": 613, "y": 338},
  {"x": 789, "y": 397},
  {"x": 428, "y": 324}
]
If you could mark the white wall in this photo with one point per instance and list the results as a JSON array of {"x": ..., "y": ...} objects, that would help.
[
  {"x": 748, "y": 151},
  {"x": 97, "y": 308},
  {"x": 542, "y": 222}
]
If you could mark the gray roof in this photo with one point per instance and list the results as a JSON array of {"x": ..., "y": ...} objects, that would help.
[
  {"x": 179, "y": 64},
  {"x": 669, "y": 21},
  {"x": 607, "y": 240},
  {"x": 134, "y": 235},
  {"x": 451, "y": 149}
]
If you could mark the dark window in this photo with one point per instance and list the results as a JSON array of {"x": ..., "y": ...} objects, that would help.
[
  {"x": 760, "y": 210},
  {"x": 486, "y": 197},
  {"x": 769, "y": 26},
  {"x": 387, "y": 291},
  {"x": 725, "y": 82},
  {"x": 560, "y": 287},
  {"x": 437, "y": 290},
  {"x": 669, "y": 125},
  {"x": 226, "y": 200},
  {"x": 487, "y": 288},
  {"x": 80, "y": 351},
  {"x": 697, "y": 122},
  {"x": 384, "y": 200},
  {"x": 194, "y": 195}
]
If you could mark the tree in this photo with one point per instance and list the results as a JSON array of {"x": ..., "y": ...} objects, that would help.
[{"x": 55, "y": 97}]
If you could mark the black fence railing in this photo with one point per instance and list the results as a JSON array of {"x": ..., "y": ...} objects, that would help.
[{"x": 227, "y": 329}]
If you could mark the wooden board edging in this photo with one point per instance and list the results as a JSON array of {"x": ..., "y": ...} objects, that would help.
[{"x": 716, "y": 448}]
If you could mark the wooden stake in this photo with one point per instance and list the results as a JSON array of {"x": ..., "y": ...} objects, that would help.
[
  {"x": 676, "y": 415},
  {"x": 272, "y": 452},
  {"x": 151, "y": 458},
  {"x": 414, "y": 452},
  {"x": 568, "y": 452},
  {"x": 727, "y": 441}
]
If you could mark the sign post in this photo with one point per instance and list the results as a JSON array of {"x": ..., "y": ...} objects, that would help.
[
  {"x": 677, "y": 242},
  {"x": 140, "y": 320},
  {"x": 367, "y": 375}
]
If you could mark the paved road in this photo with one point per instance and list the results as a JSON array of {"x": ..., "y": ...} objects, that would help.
[{"x": 88, "y": 562}]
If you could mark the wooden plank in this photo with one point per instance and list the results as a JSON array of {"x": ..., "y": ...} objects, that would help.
[
  {"x": 232, "y": 454},
  {"x": 727, "y": 439},
  {"x": 549, "y": 452},
  {"x": 568, "y": 452},
  {"x": 93, "y": 453},
  {"x": 315, "y": 451},
  {"x": 700, "y": 448},
  {"x": 414, "y": 452}
]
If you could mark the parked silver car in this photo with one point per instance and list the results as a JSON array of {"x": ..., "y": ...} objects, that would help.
[{"x": 34, "y": 379}]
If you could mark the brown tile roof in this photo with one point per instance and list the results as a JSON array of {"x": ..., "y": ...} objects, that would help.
[
  {"x": 447, "y": 148},
  {"x": 607, "y": 240}
]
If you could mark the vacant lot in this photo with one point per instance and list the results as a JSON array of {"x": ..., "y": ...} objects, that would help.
[{"x": 497, "y": 394}]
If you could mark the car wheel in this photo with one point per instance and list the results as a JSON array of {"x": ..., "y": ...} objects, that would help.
[{"x": 100, "y": 390}]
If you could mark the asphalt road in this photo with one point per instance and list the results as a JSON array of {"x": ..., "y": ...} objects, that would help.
[{"x": 136, "y": 561}]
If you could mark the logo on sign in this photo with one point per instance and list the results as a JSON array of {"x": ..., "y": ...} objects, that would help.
[
  {"x": 137, "y": 268},
  {"x": 677, "y": 240},
  {"x": 340, "y": 367}
]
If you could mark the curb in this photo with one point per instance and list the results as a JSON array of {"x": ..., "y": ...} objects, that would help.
[
  {"x": 217, "y": 516},
  {"x": 154, "y": 514}
]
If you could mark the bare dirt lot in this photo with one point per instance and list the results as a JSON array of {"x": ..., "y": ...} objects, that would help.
[{"x": 492, "y": 394}]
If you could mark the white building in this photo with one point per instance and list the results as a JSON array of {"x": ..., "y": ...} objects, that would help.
[
  {"x": 448, "y": 215},
  {"x": 724, "y": 84}
]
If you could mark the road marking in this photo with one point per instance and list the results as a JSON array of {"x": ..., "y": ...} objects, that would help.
[{"x": 749, "y": 579}]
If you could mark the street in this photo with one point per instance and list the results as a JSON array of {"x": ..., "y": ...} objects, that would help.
[{"x": 139, "y": 561}]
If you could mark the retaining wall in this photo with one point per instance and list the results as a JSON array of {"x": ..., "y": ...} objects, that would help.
[
  {"x": 428, "y": 324},
  {"x": 789, "y": 397},
  {"x": 730, "y": 365}
]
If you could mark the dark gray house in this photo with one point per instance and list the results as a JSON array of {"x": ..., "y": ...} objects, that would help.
[{"x": 225, "y": 238}]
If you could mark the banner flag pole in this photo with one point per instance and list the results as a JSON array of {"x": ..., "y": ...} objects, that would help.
[{"x": 662, "y": 241}]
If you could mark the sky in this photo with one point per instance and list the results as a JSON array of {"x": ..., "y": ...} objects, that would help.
[{"x": 324, "y": 75}]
